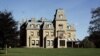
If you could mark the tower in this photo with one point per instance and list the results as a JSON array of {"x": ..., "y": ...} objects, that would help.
[{"x": 60, "y": 24}]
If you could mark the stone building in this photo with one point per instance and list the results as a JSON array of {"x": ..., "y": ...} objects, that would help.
[{"x": 47, "y": 34}]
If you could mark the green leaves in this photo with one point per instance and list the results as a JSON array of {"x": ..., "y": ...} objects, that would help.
[
  {"x": 8, "y": 26},
  {"x": 94, "y": 28},
  {"x": 95, "y": 22}
]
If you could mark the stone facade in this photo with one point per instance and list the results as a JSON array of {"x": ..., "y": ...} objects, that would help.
[{"x": 47, "y": 34}]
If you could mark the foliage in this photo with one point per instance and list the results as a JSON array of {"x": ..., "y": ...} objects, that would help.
[
  {"x": 87, "y": 43},
  {"x": 95, "y": 22},
  {"x": 95, "y": 38},
  {"x": 94, "y": 28},
  {"x": 8, "y": 28}
]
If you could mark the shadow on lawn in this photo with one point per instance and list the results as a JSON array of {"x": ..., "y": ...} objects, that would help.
[{"x": 2, "y": 51}]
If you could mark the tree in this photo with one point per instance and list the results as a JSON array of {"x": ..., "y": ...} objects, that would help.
[
  {"x": 95, "y": 22},
  {"x": 95, "y": 38},
  {"x": 8, "y": 28},
  {"x": 87, "y": 43},
  {"x": 94, "y": 28}
]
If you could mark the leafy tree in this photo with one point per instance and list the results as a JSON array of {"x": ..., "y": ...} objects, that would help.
[
  {"x": 87, "y": 43},
  {"x": 8, "y": 28},
  {"x": 94, "y": 28},
  {"x": 95, "y": 38},
  {"x": 95, "y": 22}
]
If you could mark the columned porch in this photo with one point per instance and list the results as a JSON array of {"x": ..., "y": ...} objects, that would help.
[{"x": 73, "y": 43}]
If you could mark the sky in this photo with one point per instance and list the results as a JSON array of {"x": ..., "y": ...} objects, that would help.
[{"x": 77, "y": 12}]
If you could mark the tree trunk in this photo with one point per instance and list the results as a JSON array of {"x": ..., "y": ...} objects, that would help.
[
  {"x": 6, "y": 49},
  {"x": 72, "y": 44}
]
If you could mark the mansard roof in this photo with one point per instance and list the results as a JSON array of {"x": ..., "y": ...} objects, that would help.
[
  {"x": 33, "y": 25},
  {"x": 42, "y": 19},
  {"x": 48, "y": 25}
]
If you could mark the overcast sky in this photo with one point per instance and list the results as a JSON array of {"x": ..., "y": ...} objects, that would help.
[{"x": 77, "y": 11}]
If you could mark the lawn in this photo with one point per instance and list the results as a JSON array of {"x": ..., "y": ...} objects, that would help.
[{"x": 53, "y": 52}]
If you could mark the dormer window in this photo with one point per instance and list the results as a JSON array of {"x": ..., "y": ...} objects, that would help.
[
  {"x": 68, "y": 27},
  {"x": 48, "y": 26},
  {"x": 60, "y": 16},
  {"x": 37, "y": 25},
  {"x": 32, "y": 25}
]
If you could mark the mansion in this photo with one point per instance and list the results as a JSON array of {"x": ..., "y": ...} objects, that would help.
[{"x": 43, "y": 33}]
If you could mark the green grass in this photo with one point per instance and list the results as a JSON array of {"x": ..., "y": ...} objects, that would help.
[{"x": 53, "y": 52}]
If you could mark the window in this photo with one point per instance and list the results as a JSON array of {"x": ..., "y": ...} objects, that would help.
[
  {"x": 68, "y": 27},
  {"x": 69, "y": 34},
  {"x": 32, "y": 33},
  {"x": 62, "y": 42},
  {"x": 32, "y": 25},
  {"x": 37, "y": 42},
  {"x": 37, "y": 25},
  {"x": 47, "y": 33},
  {"x": 33, "y": 42},
  {"x": 52, "y": 42},
  {"x": 47, "y": 26},
  {"x": 37, "y": 33},
  {"x": 60, "y": 34},
  {"x": 61, "y": 16},
  {"x": 48, "y": 42},
  {"x": 60, "y": 26},
  {"x": 52, "y": 34}
]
